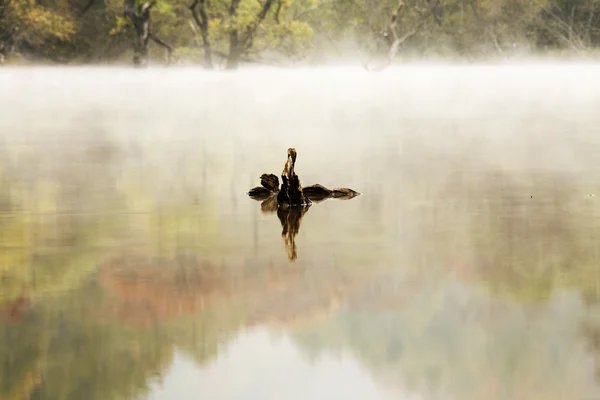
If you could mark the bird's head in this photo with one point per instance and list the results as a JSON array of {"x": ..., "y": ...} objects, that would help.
[{"x": 292, "y": 153}]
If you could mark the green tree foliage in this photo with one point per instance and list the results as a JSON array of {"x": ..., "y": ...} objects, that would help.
[
  {"x": 41, "y": 29},
  {"x": 235, "y": 30},
  {"x": 225, "y": 32}
]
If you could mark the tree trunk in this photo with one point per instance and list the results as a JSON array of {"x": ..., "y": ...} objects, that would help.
[
  {"x": 233, "y": 59},
  {"x": 235, "y": 51},
  {"x": 202, "y": 22},
  {"x": 3, "y": 45},
  {"x": 141, "y": 23},
  {"x": 240, "y": 42}
]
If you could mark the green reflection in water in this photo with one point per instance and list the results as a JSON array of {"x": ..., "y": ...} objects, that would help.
[
  {"x": 96, "y": 305},
  {"x": 461, "y": 279}
]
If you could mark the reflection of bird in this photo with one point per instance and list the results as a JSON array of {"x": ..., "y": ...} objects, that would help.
[
  {"x": 269, "y": 205},
  {"x": 290, "y": 218},
  {"x": 319, "y": 192},
  {"x": 292, "y": 201},
  {"x": 315, "y": 193},
  {"x": 260, "y": 193}
]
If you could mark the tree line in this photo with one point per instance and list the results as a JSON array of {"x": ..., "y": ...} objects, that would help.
[{"x": 224, "y": 33}]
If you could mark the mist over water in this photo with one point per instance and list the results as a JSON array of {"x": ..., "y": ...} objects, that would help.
[{"x": 467, "y": 269}]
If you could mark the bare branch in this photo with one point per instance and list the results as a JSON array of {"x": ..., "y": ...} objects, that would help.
[
  {"x": 394, "y": 19},
  {"x": 397, "y": 41},
  {"x": 195, "y": 14},
  {"x": 591, "y": 15},
  {"x": 496, "y": 43},
  {"x": 193, "y": 27},
  {"x": 251, "y": 30},
  {"x": 163, "y": 44},
  {"x": 570, "y": 38},
  {"x": 264, "y": 11},
  {"x": 146, "y": 7}
]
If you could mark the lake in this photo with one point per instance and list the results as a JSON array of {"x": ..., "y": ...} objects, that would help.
[{"x": 135, "y": 266}]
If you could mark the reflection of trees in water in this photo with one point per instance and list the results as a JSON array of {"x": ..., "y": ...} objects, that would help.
[
  {"x": 523, "y": 235},
  {"x": 48, "y": 250},
  {"x": 109, "y": 343},
  {"x": 404, "y": 322},
  {"x": 58, "y": 351},
  {"x": 92, "y": 359},
  {"x": 152, "y": 292},
  {"x": 203, "y": 305},
  {"x": 527, "y": 237},
  {"x": 440, "y": 341},
  {"x": 43, "y": 195},
  {"x": 21, "y": 352},
  {"x": 591, "y": 332},
  {"x": 156, "y": 291},
  {"x": 436, "y": 337}
]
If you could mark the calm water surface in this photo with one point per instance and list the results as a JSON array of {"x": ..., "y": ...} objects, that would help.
[{"x": 134, "y": 266}]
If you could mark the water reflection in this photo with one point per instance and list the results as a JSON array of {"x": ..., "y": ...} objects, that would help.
[
  {"x": 290, "y": 216},
  {"x": 290, "y": 222},
  {"x": 469, "y": 270}
]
